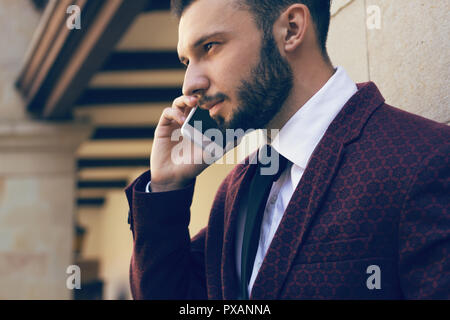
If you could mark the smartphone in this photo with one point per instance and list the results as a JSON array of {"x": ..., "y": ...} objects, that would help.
[{"x": 200, "y": 128}]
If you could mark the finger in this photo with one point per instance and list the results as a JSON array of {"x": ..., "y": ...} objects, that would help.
[
  {"x": 170, "y": 115},
  {"x": 185, "y": 104}
]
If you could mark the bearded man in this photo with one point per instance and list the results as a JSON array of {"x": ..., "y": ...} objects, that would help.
[{"x": 359, "y": 208}]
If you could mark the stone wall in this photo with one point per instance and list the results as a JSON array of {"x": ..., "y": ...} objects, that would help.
[{"x": 406, "y": 55}]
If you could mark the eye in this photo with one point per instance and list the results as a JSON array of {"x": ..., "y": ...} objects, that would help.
[{"x": 209, "y": 46}]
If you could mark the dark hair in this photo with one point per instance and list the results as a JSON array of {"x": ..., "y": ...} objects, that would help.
[{"x": 266, "y": 12}]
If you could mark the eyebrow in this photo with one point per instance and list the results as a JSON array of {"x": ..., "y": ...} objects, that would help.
[{"x": 202, "y": 40}]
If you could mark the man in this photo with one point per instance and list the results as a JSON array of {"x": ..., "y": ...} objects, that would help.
[{"x": 359, "y": 212}]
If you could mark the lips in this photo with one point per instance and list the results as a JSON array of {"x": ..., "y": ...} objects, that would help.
[
  {"x": 210, "y": 105},
  {"x": 215, "y": 108}
]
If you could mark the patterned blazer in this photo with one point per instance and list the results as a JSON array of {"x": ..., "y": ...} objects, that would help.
[{"x": 368, "y": 220}]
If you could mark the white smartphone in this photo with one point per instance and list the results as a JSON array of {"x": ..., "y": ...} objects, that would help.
[{"x": 200, "y": 128}]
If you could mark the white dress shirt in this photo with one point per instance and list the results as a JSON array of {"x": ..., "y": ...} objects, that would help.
[{"x": 296, "y": 141}]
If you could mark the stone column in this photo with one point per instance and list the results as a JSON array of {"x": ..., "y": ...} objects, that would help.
[
  {"x": 37, "y": 176},
  {"x": 37, "y": 206}
]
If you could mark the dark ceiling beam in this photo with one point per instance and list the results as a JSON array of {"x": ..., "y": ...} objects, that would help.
[
  {"x": 40, "y": 4},
  {"x": 102, "y": 184},
  {"x": 123, "y": 133},
  {"x": 62, "y": 61},
  {"x": 91, "y": 202},
  {"x": 48, "y": 41},
  {"x": 142, "y": 60},
  {"x": 84, "y": 163},
  {"x": 158, "y": 5},
  {"x": 111, "y": 96}
]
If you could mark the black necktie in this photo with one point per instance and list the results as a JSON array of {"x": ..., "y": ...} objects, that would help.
[{"x": 266, "y": 173}]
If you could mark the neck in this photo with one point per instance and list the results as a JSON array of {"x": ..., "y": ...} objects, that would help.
[{"x": 309, "y": 78}]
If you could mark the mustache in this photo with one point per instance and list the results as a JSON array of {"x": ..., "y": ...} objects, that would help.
[{"x": 218, "y": 96}]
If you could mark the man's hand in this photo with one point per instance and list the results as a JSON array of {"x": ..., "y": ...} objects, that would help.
[{"x": 165, "y": 174}]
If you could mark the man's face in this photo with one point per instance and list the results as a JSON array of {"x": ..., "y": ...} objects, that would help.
[{"x": 231, "y": 66}]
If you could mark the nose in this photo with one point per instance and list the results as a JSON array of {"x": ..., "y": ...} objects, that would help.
[{"x": 196, "y": 82}]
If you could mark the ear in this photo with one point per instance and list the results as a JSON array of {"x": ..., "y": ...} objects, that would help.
[{"x": 290, "y": 28}]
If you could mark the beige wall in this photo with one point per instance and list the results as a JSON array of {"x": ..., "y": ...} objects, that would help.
[
  {"x": 347, "y": 44},
  {"x": 407, "y": 57},
  {"x": 116, "y": 246}
]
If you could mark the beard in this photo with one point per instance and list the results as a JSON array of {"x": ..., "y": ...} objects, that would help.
[{"x": 261, "y": 96}]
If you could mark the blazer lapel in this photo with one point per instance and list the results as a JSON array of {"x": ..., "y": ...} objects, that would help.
[
  {"x": 309, "y": 193},
  {"x": 230, "y": 281}
]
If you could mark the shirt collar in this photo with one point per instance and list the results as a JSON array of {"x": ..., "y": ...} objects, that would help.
[{"x": 300, "y": 135}]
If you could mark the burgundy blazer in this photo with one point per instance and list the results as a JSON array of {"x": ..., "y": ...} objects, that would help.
[{"x": 374, "y": 196}]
